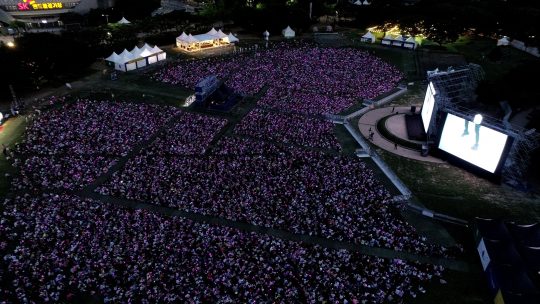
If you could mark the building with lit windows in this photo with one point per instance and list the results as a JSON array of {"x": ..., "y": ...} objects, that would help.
[{"x": 45, "y": 13}]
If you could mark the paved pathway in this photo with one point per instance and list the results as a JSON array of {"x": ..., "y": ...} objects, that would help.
[{"x": 369, "y": 121}]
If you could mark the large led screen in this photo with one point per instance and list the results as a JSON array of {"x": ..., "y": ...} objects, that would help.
[
  {"x": 428, "y": 106},
  {"x": 476, "y": 144}
]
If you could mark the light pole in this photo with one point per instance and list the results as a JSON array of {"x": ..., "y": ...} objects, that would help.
[{"x": 106, "y": 17}]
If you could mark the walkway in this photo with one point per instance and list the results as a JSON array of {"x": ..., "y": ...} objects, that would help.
[{"x": 368, "y": 122}]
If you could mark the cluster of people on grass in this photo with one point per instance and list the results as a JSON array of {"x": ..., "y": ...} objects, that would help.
[
  {"x": 68, "y": 147},
  {"x": 190, "y": 134},
  {"x": 329, "y": 71},
  {"x": 60, "y": 248},
  {"x": 305, "y": 192},
  {"x": 289, "y": 128},
  {"x": 304, "y": 102}
]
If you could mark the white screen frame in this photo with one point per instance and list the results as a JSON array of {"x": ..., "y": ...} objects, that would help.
[{"x": 486, "y": 153}]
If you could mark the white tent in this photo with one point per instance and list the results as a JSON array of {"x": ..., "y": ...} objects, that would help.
[
  {"x": 398, "y": 41},
  {"x": 410, "y": 43},
  {"x": 387, "y": 40},
  {"x": 366, "y": 2},
  {"x": 368, "y": 37},
  {"x": 113, "y": 58},
  {"x": 221, "y": 34},
  {"x": 212, "y": 32},
  {"x": 232, "y": 38},
  {"x": 288, "y": 32},
  {"x": 358, "y": 2},
  {"x": 503, "y": 41},
  {"x": 124, "y": 21},
  {"x": 182, "y": 37}
]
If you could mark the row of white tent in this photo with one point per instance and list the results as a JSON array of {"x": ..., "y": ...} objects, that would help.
[
  {"x": 391, "y": 40},
  {"x": 287, "y": 32},
  {"x": 136, "y": 58},
  {"x": 212, "y": 38},
  {"x": 358, "y": 2}
]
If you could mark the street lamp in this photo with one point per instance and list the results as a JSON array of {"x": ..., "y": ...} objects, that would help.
[{"x": 106, "y": 17}]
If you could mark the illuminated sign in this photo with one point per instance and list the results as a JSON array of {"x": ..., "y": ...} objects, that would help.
[{"x": 27, "y": 5}]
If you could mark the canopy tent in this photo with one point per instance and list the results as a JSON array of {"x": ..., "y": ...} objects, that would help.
[
  {"x": 366, "y": 2},
  {"x": 137, "y": 58},
  {"x": 123, "y": 21},
  {"x": 368, "y": 37},
  {"x": 221, "y": 34},
  {"x": 527, "y": 235},
  {"x": 358, "y": 2},
  {"x": 288, "y": 32},
  {"x": 503, "y": 41},
  {"x": 197, "y": 42},
  {"x": 113, "y": 58},
  {"x": 491, "y": 229},
  {"x": 410, "y": 43},
  {"x": 232, "y": 38},
  {"x": 387, "y": 40}
]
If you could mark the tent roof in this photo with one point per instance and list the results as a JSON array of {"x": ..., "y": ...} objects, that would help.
[
  {"x": 399, "y": 37},
  {"x": 212, "y": 32},
  {"x": 511, "y": 279},
  {"x": 528, "y": 235},
  {"x": 288, "y": 29},
  {"x": 368, "y": 35},
  {"x": 182, "y": 37},
  {"x": 202, "y": 37},
  {"x": 221, "y": 34},
  {"x": 146, "y": 53},
  {"x": 492, "y": 229},
  {"x": 124, "y": 21},
  {"x": 503, "y": 253},
  {"x": 232, "y": 38},
  {"x": 388, "y": 36},
  {"x": 156, "y": 50},
  {"x": 358, "y": 2},
  {"x": 114, "y": 57},
  {"x": 366, "y": 2},
  {"x": 411, "y": 39}
]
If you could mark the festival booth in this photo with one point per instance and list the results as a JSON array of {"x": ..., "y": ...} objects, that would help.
[
  {"x": 368, "y": 37},
  {"x": 123, "y": 21},
  {"x": 136, "y": 58},
  {"x": 288, "y": 32},
  {"x": 232, "y": 38},
  {"x": 212, "y": 39},
  {"x": 504, "y": 41},
  {"x": 387, "y": 40},
  {"x": 410, "y": 43}
]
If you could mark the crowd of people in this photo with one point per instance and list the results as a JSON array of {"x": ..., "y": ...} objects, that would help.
[
  {"x": 328, "y": 71},
  {"x": 289, "y": 128},
  {"x": 279, "y": 167},
  {"x": 68, "y": 147},
  {"x": 60, "y": 248},
  {"x": 190, "y": 134},
  {"x": 304, "y": 192},
  {"x": 304, "y": 102}
]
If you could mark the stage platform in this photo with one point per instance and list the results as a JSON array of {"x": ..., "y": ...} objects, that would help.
[{"x": 396, "y": 126}]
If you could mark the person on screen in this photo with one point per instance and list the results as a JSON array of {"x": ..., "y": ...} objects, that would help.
[{"x": 476, "y": 131}]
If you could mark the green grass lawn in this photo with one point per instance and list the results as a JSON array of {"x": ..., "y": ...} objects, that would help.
[{"x": 456, "y": 192}]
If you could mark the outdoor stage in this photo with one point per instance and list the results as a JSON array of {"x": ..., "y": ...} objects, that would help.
[{"x": 397, "y": 127}]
